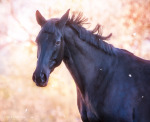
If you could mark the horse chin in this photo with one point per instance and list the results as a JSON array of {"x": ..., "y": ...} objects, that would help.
[{"x": 42, "y": 84}]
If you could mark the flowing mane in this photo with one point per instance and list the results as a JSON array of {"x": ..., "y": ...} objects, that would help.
[{"x": 93, "y": 37}]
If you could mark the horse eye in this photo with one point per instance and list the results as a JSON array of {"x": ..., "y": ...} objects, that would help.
[{"x": 57, "y": 42}]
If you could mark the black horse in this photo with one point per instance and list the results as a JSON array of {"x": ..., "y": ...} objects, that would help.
[{"x": 113, "y": 85}]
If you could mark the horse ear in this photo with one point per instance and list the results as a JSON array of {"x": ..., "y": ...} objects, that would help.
[
  {"x": 40, "y": 19},
  {"x": 63, "y": 20}
]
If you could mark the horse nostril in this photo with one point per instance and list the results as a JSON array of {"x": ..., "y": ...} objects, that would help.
[
  {"x": 34, "y": 78},
  {"x": 43, "y": 77}
]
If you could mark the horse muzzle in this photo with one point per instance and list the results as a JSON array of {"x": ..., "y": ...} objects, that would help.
[{"x": 40, "y": 78}]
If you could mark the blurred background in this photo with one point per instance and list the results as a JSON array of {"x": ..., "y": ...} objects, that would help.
[{"x": 20, "y": 99}]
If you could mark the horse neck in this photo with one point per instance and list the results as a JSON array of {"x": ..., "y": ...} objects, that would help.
[{"x": 85, "y": 62}]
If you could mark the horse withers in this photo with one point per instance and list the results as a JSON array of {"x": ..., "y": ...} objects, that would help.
[{"x": 113, "y": 85}]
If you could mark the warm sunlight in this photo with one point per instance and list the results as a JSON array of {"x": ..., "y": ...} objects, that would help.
[{"x": 20, "y": 98}]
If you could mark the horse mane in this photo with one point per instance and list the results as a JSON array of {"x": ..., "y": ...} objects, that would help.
[{"x": 93, "y": 37}]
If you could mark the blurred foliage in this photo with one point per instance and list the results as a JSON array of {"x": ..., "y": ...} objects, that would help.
[
  {"x": 139, "y": 15},
  {"x": 20, "y": 98}
]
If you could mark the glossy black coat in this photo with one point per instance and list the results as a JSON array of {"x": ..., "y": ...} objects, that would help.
[{"x": 113, "y": 85}]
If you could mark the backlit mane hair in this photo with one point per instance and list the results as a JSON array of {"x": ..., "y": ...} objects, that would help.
[{"x": 93, "y": 37}]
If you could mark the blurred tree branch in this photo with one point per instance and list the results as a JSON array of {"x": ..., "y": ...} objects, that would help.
[{"x": 18, "y": 21}]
